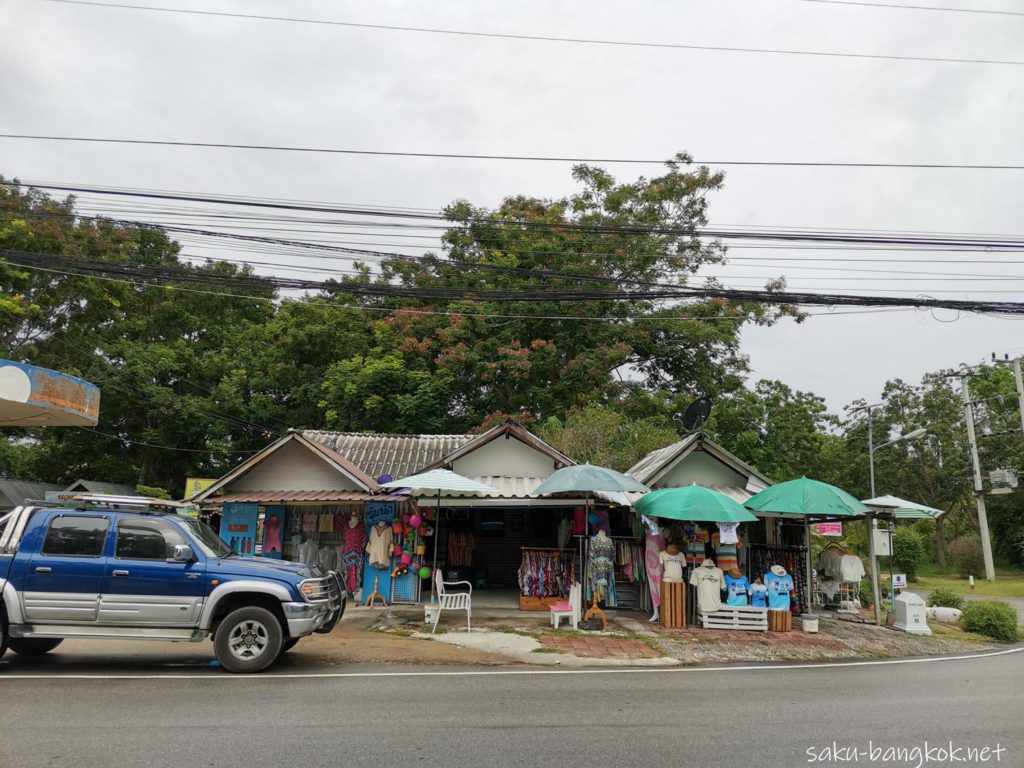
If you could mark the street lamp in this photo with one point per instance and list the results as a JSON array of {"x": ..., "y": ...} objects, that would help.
[{"x": 875, "y": 591}]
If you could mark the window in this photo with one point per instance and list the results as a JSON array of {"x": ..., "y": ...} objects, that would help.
[
  {"x": 78, "y": 536},
  {"x": 146, "y": 540}
]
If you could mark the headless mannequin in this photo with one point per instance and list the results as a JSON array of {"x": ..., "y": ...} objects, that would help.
[
  {"x": 652, "y": 560},
  {"x": 353, "y": 520}
]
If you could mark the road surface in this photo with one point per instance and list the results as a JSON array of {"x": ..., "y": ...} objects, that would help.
[{"x": 66, "y": 713}]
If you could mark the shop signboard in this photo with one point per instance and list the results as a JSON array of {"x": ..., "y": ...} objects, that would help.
[
  {"x": 238, "y": 528},
  {"x": 195, "y": 485},
  {"x": 899, "y": 581},
  {"x": 828, "y": 529}
]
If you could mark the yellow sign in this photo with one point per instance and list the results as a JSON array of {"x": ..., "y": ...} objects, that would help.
[{"x": 194, "y": 485}]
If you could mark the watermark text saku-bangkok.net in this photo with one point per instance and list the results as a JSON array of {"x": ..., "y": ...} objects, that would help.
[{"x": 912, "y": 756}]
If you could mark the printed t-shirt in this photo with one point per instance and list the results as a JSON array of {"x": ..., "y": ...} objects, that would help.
[
  {"x": 672, "y": 566},
  {"x": 758, "y": 595},
  {"x": 727, "y": 532},
  {"x": 736, "y": 590},
  {"x": 779, "y": 588},
  {"x": 709, "y": 583}
]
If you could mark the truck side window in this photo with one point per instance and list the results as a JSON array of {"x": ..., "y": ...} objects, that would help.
[
  {"x": 146, "y": 540},
  {"x": 78, "y": 536}
]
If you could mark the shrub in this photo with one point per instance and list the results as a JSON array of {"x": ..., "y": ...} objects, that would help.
[
  {"x": 965, "y": 554},
  {"x": 908, "y": 551},
  {"x": 992, "y": 619},
  {"x": 947, "y": 598},
  {"x": 866, "y": 598}
]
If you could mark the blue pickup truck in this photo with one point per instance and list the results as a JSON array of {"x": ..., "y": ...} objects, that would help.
[{"x": 137, "y": 570}]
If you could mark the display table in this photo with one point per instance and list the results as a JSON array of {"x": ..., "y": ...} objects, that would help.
[{"x": 673, "y": 604}]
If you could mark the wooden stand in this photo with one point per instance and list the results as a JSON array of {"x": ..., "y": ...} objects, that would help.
[
  {"x": 375, "y": 595},
  {"x": 593, "y": 610},
  {"x": 737, "y": 617},
  {"x": 539, "y": 603},
  {"x": 780, "y": 621},
  {"x": 673, "y": 604}
]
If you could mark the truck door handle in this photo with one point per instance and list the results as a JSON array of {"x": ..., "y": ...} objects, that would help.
[
  {"x": 120, "y": 573},
  {"x": 44, "y": 569}
]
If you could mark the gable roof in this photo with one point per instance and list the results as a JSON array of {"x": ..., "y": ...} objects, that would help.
[
  {"x": 395, "y": 455},
  {"x": 340, "y": 463},
  {"x": 98, "y": 486},
  {"x": 508, "y": 428},
  {"x": 658, "y": 463}
]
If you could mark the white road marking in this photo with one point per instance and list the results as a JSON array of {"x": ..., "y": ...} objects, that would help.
[{"x": 506, "y": 672}]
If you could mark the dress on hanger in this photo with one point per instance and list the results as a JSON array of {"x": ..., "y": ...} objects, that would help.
[
  {"x": 352, "y": 556},
  {"x": 600, "y": 562}
]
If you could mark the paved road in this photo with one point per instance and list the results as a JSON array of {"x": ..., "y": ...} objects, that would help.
[{"x": 767, "y": 716}]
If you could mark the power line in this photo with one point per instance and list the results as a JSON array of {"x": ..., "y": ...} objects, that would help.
[
  {"x": 943, "y": 8},
  {"x": 547, "y": 38},
  {"x": 530, "y": 158},
  {"x": 163, "y": 447}
]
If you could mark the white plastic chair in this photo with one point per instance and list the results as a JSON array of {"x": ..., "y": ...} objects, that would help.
[
  {"x": 568, "y": 609},
  {"x": 452, "y": 601}
]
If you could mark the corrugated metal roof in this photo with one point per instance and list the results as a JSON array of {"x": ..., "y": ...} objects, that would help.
[
  {"x": 653, "y": 461},
  {"x": 395, "y": 455},
  {"x": 292, "y": 497},
  {"x": 98, "y": 486},
  {"x": 15, "y": 492}
]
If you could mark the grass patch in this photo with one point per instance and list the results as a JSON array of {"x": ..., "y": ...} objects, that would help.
[
  {"x": 1009, "y": 582},
  {"x": 953, "y": 632},
  {"x": 547, "y": 649}
]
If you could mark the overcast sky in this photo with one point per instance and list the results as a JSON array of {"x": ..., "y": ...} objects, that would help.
[{"x": 78, "y": 70}]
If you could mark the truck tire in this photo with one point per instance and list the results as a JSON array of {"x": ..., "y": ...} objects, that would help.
[
  {"x": 248, "y": 640},
  {"x": 3, "y": 633},
  {"x": 34, "y": 646},
  {"x": 290, "y": 643}
]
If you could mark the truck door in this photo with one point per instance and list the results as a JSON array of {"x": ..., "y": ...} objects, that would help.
[
  {"x": 143, "y": 585},
  {"x": 63, "y": 580}
]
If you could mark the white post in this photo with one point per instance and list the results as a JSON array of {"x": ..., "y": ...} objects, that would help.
[
  {"x": 979, "y": 495},
  {"x": 872, "y": 525}
]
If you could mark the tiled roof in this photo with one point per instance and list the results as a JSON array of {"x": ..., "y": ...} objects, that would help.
[
  {"x": 395, "y": 455},
  {"x": 293, "y": 497}
]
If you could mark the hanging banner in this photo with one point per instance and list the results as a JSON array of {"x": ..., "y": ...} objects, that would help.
[
  {"x": 828, "y": 529},
  {"x": 194, "y": 485}
]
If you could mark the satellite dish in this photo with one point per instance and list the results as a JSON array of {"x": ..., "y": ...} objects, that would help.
[{"x": 696, "y": 414}]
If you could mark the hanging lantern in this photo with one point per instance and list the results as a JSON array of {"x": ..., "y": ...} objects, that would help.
[
  {"x": 424, "y": 572},
  {"x": 415, "y": 520},
  {"x": 396, "y": 550},
  {"x": 406, "y": 558},
  {"x": 396, "y": 528}
]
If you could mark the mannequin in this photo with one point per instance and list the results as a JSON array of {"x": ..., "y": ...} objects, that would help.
[
  {"x": 779, "y": 584},
  {"x": 272, "y": 535},
  {"x": 736, "y": 587},
  {"x": 672, "y": 562},
  {"x": 600, "y": 565},
  {"x": 708, "y": 580},
  {"x": 352, "y": 552},
  {"x": 378, "y": 545},
  {"x": 655, "y": 545},
  {"x": 758, "y": 594}
]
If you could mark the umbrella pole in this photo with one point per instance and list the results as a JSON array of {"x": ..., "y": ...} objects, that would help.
[{"x": 437, "y": 535}]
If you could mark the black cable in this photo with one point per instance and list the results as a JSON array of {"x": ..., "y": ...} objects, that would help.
[
  {"x": 530, "y": 158},
  {"x": 545, "y": 38},
  {"x": 943, "y": 8}
]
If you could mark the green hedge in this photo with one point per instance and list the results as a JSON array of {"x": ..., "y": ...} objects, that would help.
[
  {"x": 908, "y": 551},
  {"x": 947, "y": 598},
  {"x": 992, "y": 618}
]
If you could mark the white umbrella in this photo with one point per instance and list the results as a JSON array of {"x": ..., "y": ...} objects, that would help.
[
  {"x": 426, "y": 483},
  {"x": 902, "y": 508}
]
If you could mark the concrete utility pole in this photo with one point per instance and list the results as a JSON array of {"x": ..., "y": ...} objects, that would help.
[
  {"x": 1020, "y": 390},
  {"x": 873, "y": 524},
  {"x": 979, "y": 490}
]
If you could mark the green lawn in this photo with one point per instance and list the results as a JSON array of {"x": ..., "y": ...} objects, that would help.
[{"x": 1009, "y": 582}]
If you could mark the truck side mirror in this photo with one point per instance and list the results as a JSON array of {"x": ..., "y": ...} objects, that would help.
[{"x": 183, "y": 554}]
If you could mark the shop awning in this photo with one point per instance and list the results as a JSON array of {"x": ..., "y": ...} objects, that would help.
[
  {"x": 38, "y": 397},
  {"x": 903, "y": 509},
  {"x": 293, "y": 497}
]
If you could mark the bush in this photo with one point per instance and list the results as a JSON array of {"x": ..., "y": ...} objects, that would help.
[
  {"x": 965, "y": 554},
  {"x": 908, "y": 551},
  {"x": 947, "y": 598},
  {"x": 992, "y": 619},
  {"x": 867, "y": 599}
]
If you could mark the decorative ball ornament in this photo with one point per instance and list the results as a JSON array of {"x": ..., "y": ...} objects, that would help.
[
  {"x": 406, "y": 558},
  {"x": 396, "y": 528},
  {"x": 415, "y": 520},
  {"x": 424, "y": 572},
  {"x": 593, "y": 518},
  {"x": 397, "y": 550}
]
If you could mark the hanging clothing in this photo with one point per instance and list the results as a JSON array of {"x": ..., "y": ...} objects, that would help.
[
  {"x": 326, "y": 523},
  {"x": 579, "y": 522},
  {"x": 352, "y": 556},
  {"x": 727, "y": 532},
  {"x": 460, "y": 549},
  {"x": 736, "y": 590},
  {"x": 654, "y": 546},
  {"x": 709, "y": 583},
  {"x": 851, "y": 568},
  {"x": 564, "y": 533},
  {"x": 672, "y": 566},
  {"x": 327, "y": 558},
  {"x": 600, "y": 565},
  {"x": 308, "y": 552},
  {"x": 378, "y": 545},
  {"x": 309, "y": 522}
]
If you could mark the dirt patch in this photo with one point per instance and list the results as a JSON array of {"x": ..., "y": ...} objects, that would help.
[
  {"x": 600, "y": 647},
  {"x": 354, "y": 642}
]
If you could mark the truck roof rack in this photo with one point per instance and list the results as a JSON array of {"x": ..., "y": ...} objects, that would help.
[{"x": 146, "y": 504}]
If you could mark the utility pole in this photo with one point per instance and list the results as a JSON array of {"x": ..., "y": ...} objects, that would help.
[
  {"x": 1020, "y": 390},
  {"x": 979, "y": 491},
  {"x": 873, "y": 525}
]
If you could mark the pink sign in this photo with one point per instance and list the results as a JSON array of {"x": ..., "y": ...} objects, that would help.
[{"x": 828, "y": 529}]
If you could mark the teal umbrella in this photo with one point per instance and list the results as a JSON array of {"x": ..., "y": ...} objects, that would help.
[
  {"x": 694, "y": 502},
  {"x": 806, "y": 498},
  {"x": 588, "y": 478}
]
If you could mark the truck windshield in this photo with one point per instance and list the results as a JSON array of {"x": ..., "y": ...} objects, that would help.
[{"x": 204, "y": 536}]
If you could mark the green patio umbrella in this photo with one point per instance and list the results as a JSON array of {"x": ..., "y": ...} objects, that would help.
[
  {"x": 693, "y": 502},
  {"x": 903, "y": 509},
  {"x": 588, "y": 478},
  {"x": 806, "y": 498}
]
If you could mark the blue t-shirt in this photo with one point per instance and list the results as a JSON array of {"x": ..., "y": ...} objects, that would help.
[
  {"x": 779, "y": 588},
  {"x": 736, "y": 590},
  {"x": 758, "y": 595}
]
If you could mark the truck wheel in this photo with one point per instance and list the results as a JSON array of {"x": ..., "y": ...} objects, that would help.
[
  {"x": 248, "y": 640},
  {"x": 290, "y": 643},
  {"x": 3, "y": 634},
  {"x": 34, "y": 646}
]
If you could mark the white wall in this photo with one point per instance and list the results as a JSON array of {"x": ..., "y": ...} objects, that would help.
[
  {"x": 702, "y": 469},
  {"x": 505, "y": 457},
  {"x": 293, "y": 467}
]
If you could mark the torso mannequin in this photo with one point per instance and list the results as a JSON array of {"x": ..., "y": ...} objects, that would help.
[{"x": 672, "y": 561}]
